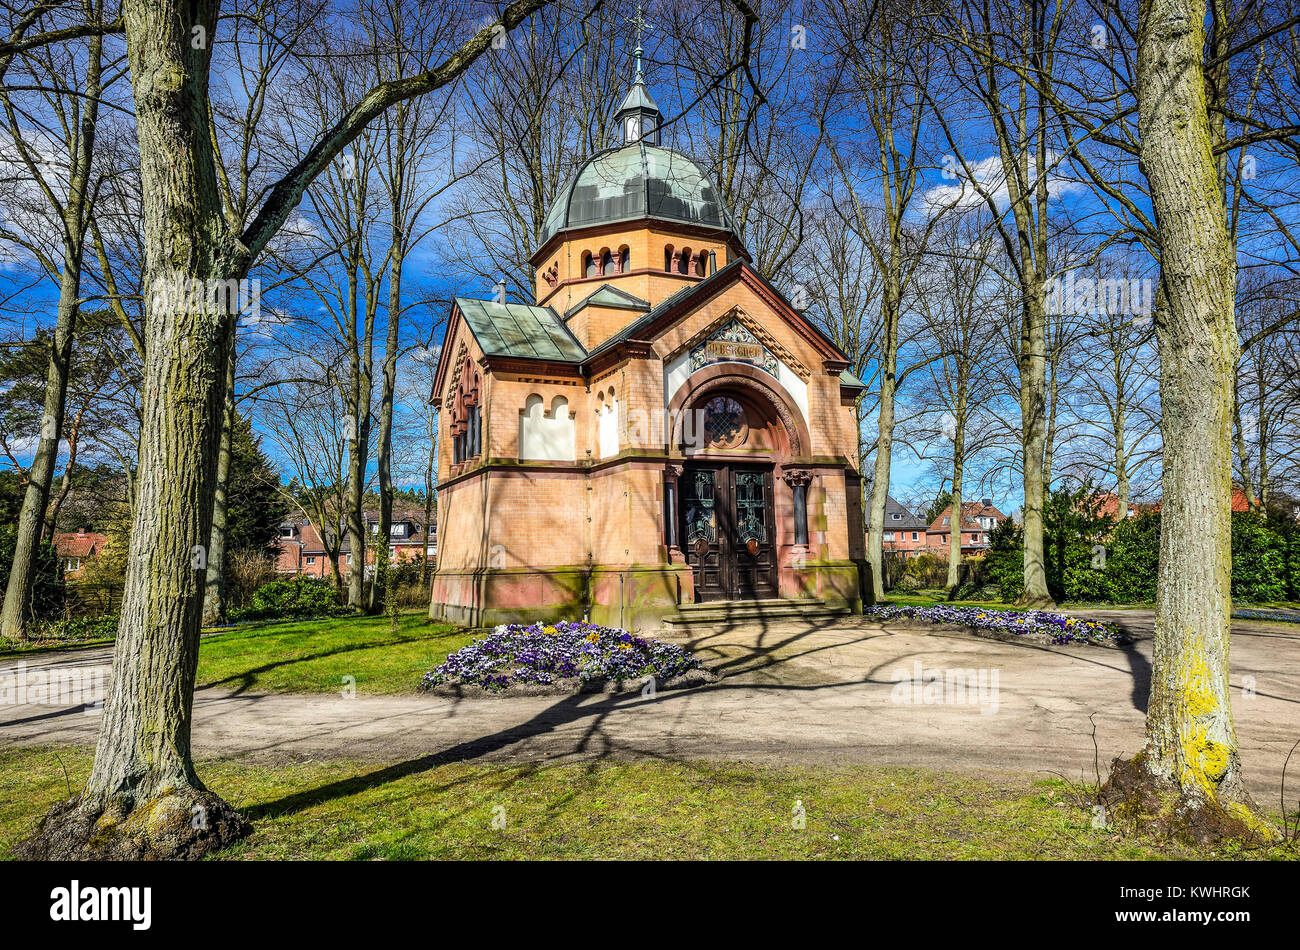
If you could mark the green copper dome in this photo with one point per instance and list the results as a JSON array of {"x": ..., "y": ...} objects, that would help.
[{"x": 634, "y": 181}]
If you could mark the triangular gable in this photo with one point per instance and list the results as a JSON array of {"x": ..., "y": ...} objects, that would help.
[
  {"x": 449, "y": 361},
  {"x": 754, "y": 327},
  {"x": 607, "y": 296},
  {"x": 688, "y": 300}
]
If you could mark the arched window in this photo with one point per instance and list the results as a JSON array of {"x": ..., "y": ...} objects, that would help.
[
  {"x": 702, "y": 264},
  {"x": 684, "y": 262},
  {"x": 467, "y": 417},
  {"x": 668, "y": 258},
  {"x": 607, "y": 424},
  {"x": 546, "y": 435},
  {"x": 624, "y": 259},
  {"x": 606, "y": 262}
]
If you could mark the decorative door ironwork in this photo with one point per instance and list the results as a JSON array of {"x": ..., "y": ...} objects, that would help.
[{"x": 728, "y": 532}]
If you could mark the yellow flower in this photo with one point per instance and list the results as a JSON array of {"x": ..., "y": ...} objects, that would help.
[
  {"x": 625, "y": 646},
  {"x": 549, "y": 629},
  {"x": 593, "y": 637}
]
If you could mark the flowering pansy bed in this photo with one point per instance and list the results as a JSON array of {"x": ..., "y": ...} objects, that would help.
[
  {"x": 1039, "y": 625},
  {"x": 563, "y": 657},
  {"x": 1258, "y": 613}
]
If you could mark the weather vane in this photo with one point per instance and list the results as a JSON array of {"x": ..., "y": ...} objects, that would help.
[{"x": 639, "y": 22}]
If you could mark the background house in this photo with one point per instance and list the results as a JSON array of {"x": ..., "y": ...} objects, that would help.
[
  {"x": 301, "y": 550},
  {"x": 76, "y": 547},
  {"x": 978, "y": 519},
  {"x": 904, "y": 531}
]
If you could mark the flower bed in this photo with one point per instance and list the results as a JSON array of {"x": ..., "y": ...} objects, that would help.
[
  {"x": 1036, "y": 624},
  {"x": 563, "y": 657},
  {"x": 1262, "y": 613}
]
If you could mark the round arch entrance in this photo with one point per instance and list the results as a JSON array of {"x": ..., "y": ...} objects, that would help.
[{"x": 736, "y": 432}]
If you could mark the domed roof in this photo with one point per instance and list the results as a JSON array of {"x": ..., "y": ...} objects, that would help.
[{"x": 637, "y": 180}]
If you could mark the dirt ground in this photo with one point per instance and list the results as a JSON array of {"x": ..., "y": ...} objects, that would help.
[{"x": 823, "y": 694}]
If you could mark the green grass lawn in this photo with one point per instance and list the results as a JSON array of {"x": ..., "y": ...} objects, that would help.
[
  {"x": 314, "y": 656},
  {"x": 625, "y": 810},
  {"x": 929, "y": 598}
]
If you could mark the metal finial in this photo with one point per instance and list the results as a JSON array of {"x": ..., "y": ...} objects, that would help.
[{"x": 642, "y": 27}]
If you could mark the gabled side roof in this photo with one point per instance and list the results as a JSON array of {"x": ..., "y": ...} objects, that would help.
[
  {"x": 520, "y": 330},
  {"x": 607, "y": 296},
  {"x": 906, "y": 520}
]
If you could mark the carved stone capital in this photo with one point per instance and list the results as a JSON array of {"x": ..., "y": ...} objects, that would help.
[{"x": 795, "y": 477}]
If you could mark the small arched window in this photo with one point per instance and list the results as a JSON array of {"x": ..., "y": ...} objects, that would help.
[
  {"x": 606, "y": 262},
  {"x": 624, "y": 259},
  {"x": 684, "y": 262},
  {"x": 668, "y": 258},
  {"x": 702, "y": 264}
]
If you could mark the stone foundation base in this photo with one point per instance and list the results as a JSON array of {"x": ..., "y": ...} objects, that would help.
[{"x": 635, "y": 597}]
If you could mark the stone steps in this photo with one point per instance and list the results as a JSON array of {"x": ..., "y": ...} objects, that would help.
[{"x": 712, "y": 615}]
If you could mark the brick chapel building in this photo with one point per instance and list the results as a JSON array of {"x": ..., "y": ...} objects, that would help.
[{"x": 661, "y": 428}]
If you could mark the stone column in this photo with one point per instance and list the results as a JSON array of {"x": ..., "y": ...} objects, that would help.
[
  {"x": 671, "y": 474},
  {"x": 798, "y": 480}
]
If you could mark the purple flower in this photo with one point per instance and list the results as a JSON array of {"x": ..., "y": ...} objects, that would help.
[
  {"x": 1060, "y": 628},
  {"x": 542, "y": 653}
]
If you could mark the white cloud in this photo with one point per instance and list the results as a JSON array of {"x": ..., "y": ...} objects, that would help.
[{"x": 985, "y": 176}]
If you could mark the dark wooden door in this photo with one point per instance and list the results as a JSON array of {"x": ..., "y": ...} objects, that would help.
[
  {"x": 727, "y": 531},
  {"x": 753, "y": 540},
  {"x": 703, "y": 503}
]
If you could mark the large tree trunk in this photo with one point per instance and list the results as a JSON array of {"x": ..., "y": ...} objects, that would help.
[
  {"x": 214, "y": 593},
  {"x": 143, "y": 798},
  {"x": 1188, "y": 778},
  {"x": 1033, "y": 416}
]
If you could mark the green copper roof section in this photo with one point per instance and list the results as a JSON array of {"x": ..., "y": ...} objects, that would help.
[
  {"x": 638, "y": 97},
  {"x": 520, "y": 330},
  {"x": 607, "y": 296},
  {"x": 635, "y": 181},
  {"x": 848, "y": 379}
]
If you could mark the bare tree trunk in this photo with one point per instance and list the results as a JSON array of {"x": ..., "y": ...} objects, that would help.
[
  {"x": 884, "y": 439},
  {"x": 430, "y": 480},
  {"x": 1188, "y": 778},
  {"x": 384, "y": 462},
  {"x": 214, "y": 601},
  {"x": 1049, "y": 442},
  {"x": 958, "y": 470},
  {"x": 397, "y": 256},
  {"x": 1121, "y": 472},
  {"x": 22, "y": 574},
  {"x": 1033, "y": 415},
  {"x": 71, "y": 436},
  {"x": 358, "y": 453},
  {"x": 75, "y": 215},
  {"x": 1121, "y": 439}
]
